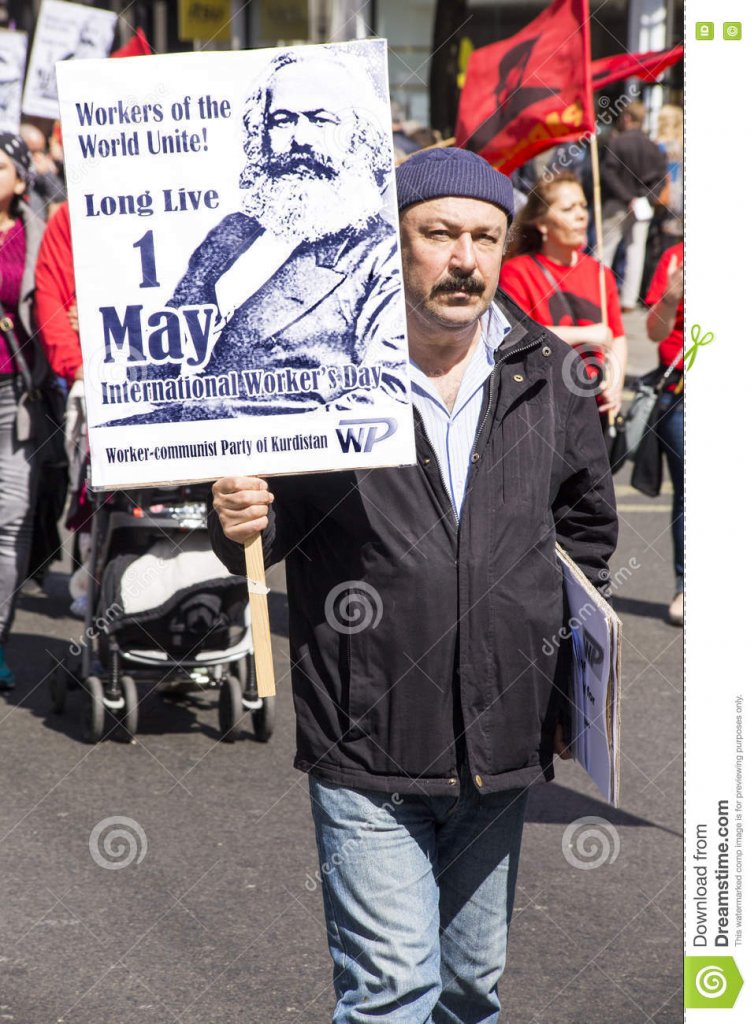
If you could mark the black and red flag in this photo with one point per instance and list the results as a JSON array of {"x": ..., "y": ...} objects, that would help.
[
  {"x": 646, "y": 66},
  {"x": 530, "y": 92}
]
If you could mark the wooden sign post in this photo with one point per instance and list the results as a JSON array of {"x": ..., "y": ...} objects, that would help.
[{"x": 260, "y": 617}]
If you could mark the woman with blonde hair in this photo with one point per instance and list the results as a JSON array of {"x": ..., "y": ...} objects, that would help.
[{"x": 669, "y": 138}]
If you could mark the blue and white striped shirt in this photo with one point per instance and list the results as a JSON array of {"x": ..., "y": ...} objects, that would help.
[{"x": 452, "y": 433}]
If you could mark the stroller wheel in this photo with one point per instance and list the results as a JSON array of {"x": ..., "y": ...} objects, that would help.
[
  {"x": 58, "y": 689},
  {"x": 93, "y": 714},
  {"x": 263, "y": 719},
  {"x": 230, "y": 709},
  {"x": 128, "y": 716}
]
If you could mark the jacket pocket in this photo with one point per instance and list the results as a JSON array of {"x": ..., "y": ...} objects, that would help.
[{"x": 361, "y": 611}]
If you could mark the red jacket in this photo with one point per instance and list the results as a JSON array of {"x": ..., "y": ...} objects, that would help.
[{"x": 55, "y": 294}]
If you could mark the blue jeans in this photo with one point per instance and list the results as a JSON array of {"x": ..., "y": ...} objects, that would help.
[
  {"x": 670, "y": 432},
  {"x": 418, "y": 894}
]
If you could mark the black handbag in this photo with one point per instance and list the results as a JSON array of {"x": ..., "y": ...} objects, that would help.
[
  {"x": 632, "y": 428},
  {"x": 647, "y": 472}
]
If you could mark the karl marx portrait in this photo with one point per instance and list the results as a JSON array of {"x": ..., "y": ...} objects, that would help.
[{"x": 307, "y": 273}]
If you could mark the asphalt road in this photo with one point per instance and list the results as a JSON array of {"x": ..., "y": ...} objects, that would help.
[{"x": 217, "y": 917}]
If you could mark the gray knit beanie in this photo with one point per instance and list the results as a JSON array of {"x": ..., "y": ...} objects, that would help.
[{"x": 432, "y": 173}]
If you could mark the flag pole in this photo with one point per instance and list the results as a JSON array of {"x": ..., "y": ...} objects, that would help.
[
  {"x": 597, "y": 192},
  {"x": 598, "y": 222}
]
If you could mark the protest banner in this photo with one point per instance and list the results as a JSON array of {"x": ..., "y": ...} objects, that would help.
[
  {"x": 238, "y": 280},
  {"x": 12, "y": 63},
  {"x": 531, "y": 91},
  {"x": 239, "y": 290},
  {"x": 64, "y": 32}
]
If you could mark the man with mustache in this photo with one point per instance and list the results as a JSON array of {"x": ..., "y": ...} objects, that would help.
[
  {"x": 419, "y": 599},
  {"x": 308, "y": 274}
]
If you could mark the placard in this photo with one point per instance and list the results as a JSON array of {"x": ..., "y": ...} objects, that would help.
[
  {"x": 64, "y": 32},
  {"x": 12, "y": 63},
  {"x": 238, "y": 277},
  {"x": 594, "y": 631}
]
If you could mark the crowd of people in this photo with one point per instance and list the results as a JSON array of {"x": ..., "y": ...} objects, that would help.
[
  {"x": 548, "y": 270},
  {"x": 422, "y": 737}
]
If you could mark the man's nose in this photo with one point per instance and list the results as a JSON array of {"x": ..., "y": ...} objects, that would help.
[
  {"x": 463, "y": 256},
  {"x": 306, "y": 133}
]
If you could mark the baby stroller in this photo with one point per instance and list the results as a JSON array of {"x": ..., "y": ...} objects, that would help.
[{"x": 161, "y": 609}]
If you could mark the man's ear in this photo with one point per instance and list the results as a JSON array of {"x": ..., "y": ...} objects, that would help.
[{"x": 506, "y": 237}]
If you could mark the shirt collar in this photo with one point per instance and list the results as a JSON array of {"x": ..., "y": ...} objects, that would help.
[{"x": 495, "y": 328}]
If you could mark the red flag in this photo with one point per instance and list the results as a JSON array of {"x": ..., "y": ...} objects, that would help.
[
  {"x": 646, "y": 66},
  {"x": 530, "y": 92},
  {"x": 137, "y": 46}
]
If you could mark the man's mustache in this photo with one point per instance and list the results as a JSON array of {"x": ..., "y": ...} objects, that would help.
[
  {"x": 457, "y": 283},
  {"x": 303, "y": 158}
]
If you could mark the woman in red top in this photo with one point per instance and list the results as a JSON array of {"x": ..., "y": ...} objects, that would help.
[
  {"x": 555, "y": 282},
  {"x": 665, "y": 325}
]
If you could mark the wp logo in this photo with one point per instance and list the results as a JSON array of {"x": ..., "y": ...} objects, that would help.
[{"x": 363, "y": 435}]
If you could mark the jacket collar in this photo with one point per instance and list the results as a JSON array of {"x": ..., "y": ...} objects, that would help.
[
  {"x": 526, "y": 335},
  {"x": 524, "y": 331}
]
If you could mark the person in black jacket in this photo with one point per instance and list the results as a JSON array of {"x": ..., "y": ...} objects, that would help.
[
  {"x": 633, "y": 171},
  {"x": 427, "y": 700}
]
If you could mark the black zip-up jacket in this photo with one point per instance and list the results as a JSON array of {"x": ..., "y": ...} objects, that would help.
[
  {"x": 445, "y": 658},
  {"x": 632, "y": 166}
]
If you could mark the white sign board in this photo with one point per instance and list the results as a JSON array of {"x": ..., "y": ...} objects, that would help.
[
  {"x": 238, "y": 277},
  {"x": 12, "y": 64},
  {"x": 64, "y": 32},
  {"x": 595, "y": 634}
]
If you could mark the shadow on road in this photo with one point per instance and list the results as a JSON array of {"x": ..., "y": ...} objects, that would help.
[
  {"x": 556, "y": 805},
  {"x": 643, "y": 609},
  {"x": 160, "y": 712}
]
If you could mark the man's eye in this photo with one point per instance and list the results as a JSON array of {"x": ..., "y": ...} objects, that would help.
[
  {"x": 439, "y": 234},
  {"x": 282, "y": 119},
  {"x": 322, "y": 119}
]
